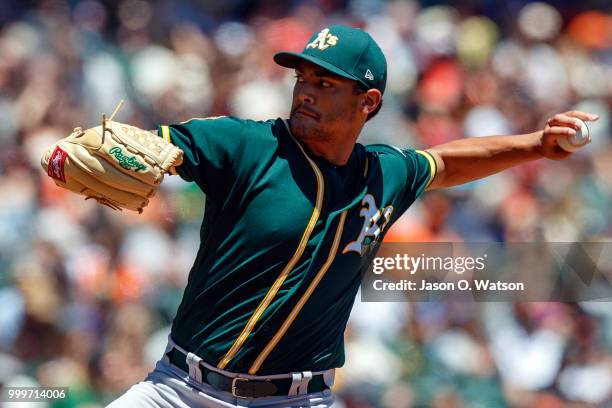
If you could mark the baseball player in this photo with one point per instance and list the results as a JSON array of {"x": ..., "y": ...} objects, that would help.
[{"x": 294, "y": 211}]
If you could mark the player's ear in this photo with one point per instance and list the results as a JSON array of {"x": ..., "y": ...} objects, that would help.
[{"x": 371, "y": 100}]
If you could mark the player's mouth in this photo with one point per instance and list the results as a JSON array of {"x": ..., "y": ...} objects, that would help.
[{"x": 302, "y": 111}]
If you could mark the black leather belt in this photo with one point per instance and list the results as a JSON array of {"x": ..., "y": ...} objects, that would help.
[{"x": 245, "y": 387}]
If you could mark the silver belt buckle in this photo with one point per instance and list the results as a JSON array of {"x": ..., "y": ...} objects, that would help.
[{"x": 234, "y": 380}]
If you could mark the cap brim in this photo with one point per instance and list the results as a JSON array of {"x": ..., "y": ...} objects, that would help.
[{"x": 293, "y": 60}]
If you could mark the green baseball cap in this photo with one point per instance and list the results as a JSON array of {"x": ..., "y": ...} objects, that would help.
[{"x": 346, "y": 51}]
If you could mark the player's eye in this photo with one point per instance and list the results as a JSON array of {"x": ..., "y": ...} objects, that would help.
[
  {"x": 325, "y": 84},
  {"x": 298, "y": 78}
]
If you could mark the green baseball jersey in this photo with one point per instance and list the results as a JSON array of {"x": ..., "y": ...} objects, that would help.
[{"x": 285, "y": 239}]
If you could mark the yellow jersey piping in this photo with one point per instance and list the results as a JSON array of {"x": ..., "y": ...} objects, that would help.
[
  {"x": 298, "y": 307},
  {"x": 239, "y": 342},
  {"x": 432, "y": 165},
  {"x": 166, "y": 133}
]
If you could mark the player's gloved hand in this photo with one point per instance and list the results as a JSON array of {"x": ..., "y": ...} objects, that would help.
[
  {"x": 116, "y": 164},
  {"x": 562, "y": 125}
]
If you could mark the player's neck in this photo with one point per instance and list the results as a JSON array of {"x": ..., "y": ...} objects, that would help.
[
  {"x": 335, "y": 147},
  {"x": 335, "y": 152}
]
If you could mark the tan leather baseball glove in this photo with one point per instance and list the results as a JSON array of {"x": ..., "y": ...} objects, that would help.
[{"x": 116, "y": 164}]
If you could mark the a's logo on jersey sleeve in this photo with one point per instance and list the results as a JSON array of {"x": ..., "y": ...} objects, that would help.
[
  {"x": 324, "y": 39},
  {"x": 370, "y": 231}
]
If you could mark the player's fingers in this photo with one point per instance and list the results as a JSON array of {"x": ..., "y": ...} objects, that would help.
[
  {"x": 582, "y": 115},
  {"x": 559, "y": 131},
  {"x": 562, "y": 119}
]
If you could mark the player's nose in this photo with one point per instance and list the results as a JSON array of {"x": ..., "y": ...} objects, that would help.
[{"x": 305, "y": 95}]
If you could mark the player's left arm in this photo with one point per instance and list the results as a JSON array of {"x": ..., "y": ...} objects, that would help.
[{"x": 465, "y": 160}]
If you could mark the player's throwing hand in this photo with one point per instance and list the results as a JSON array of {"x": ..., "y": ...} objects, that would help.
[{"x": 562, "y": 125}]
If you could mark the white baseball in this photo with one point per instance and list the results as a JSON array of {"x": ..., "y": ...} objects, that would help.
[{"x": 577, "y": 141}]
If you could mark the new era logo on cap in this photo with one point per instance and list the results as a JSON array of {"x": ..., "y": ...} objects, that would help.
[{"x": 369, "y": 75}]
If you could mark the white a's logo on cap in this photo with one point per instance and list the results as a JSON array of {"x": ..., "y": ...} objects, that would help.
[
  {"x": 324, "y": 39},
  {"x": 369, "y": 75}
]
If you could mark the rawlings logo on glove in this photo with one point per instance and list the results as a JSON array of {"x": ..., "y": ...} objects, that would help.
[
  {"x": 116, "y": 164},
  {"x": 56, "y": 167},
  {"x": 127, "y": 162}
]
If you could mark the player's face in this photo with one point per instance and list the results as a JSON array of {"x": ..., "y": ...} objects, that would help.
[{"x": 324, "y": 104}]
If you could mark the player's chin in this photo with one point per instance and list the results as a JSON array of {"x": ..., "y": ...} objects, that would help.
[{"x": 303, "y": 127}]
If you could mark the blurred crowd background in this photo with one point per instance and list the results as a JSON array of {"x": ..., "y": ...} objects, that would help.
[{"x": 87, "y": 294}]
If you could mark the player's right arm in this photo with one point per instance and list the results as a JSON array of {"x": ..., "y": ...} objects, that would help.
[{"x": 465, "y": 160}]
